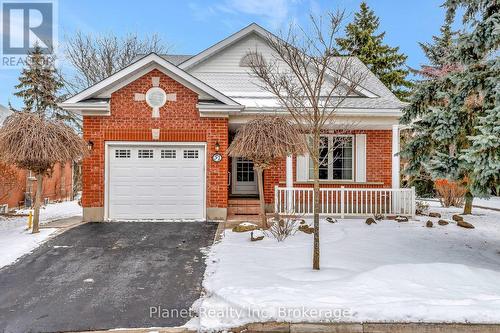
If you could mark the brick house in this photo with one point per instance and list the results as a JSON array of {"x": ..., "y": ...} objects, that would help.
[{"x": 161, "y": 126}]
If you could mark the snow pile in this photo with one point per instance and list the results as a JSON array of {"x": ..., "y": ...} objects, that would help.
[
  {"x": 384, "y": 272},
  {"x": 16, "y": 241}
]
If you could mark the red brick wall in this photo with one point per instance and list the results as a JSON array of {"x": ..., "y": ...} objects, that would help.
[
  {"x": 378, "y": 166},
  {"x": 59, "y": 186},
  {"x": 131, "y": 120}
]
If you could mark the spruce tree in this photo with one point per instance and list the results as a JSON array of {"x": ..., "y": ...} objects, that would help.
[
  {"x": 363, "y": 41},
  {"x": 39, "y": 85},
  {"x": 453, "y": 110}
]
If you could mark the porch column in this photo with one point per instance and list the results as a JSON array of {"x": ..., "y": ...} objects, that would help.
[
  {"x": 395, "y": 156},
  {"x": 289, "y": 181}
]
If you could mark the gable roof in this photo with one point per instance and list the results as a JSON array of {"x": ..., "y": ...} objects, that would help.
[
  {"x": 104, "y": 88},
  {"x": 371, "y": 88}
]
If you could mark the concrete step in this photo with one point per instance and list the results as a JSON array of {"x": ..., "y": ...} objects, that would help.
[
  {"x": 243, "y": 202},
  {"x": 243, "y": 210}
]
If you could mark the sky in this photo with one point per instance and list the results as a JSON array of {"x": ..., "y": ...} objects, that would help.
[{"x": 189, "y": 26}]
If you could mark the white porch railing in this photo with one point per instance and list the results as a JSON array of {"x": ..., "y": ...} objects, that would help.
[{"x": 346, "y": 201}]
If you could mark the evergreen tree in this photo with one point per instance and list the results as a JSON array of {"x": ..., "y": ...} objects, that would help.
[
  {"x": 453, "y": 111},
  {"x": 386, "y": 62},
  {"x": 39, "y": 85}
]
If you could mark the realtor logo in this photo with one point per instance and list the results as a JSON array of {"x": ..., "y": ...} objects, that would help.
[{"x": 24, "y": 25}]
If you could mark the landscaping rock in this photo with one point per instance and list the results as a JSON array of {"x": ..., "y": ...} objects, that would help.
[
  {"x": 302, "y": 222},
  {"x": 464, "y": 224},
  {"x": 378, "y": 217},
  {"x": 306, "y": 229},
  {"x": 429, "y": 224},
  {"x": 245, "y": 226},
  {"x": 331, "y": 220},
  {"x": 258, "y": 236},
  {"x": 443, "y": 222},
  {"x": 457, "y": 218},
  {"x": 401, "y": 219},
  {"x": 370, "y": 221},
  {"x": 434, "y": 214}
]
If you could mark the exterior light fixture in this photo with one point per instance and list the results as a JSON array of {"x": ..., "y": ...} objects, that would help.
[
  {"x": 90, "y": 145},
  {"x": 217, "y": 146}
]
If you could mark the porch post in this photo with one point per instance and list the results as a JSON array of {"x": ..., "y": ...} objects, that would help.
[
  {"x": 289, "y": 182},
  {"x": 395, "y": 157},
  {"x": 395, "y": 170}
]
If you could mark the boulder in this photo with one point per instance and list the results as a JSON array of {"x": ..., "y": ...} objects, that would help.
[
  {"x": 429, "y": 224},
  {"x": 302, "y": 222},
  {"x": 434, "y": 214},
  {"x": 457, "y": 218},
  {"x": 464, "y": 224},
  {"x": 370, "y": 221},
  {"x": 401, "y": 219},
  {"x": 245, "y": 226},
  {"x": 378, "y": 217},
  {"x": 257, "y": 237},
  {"x": 443, "y": 222},
  {"x": 331, "y": 220},
  {"x": 306, "y": 229}
]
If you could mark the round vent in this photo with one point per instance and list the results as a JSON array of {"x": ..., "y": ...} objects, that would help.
[{"x": 156, "y": 97}]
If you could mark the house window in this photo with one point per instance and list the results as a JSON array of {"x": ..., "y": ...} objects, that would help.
[
  {"x": 168, "y": 153},
  {"x": 336, "y": 158},
  {"x": 145, "y": 153},
  {"x": 190, "y": 153},
  {"x": 122, "y": 153}
]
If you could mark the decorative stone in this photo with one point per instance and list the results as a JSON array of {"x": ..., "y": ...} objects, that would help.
[
  {"x": 302, "y": 222},
  {"x": 429, "y": 224},
  {"x": 464, "y": 224},
  {"x": 370, "y": 221},
  {"x": 258, "y": 236},
  {"x": 443, "y": 222},
  {"x": 434, "y": 214},
  {"x": 378, "y": 217},
  {"x": 457, "y": 218},
  {"x": 401, "y": 219},
  {"x": 331, "y": 220},
  {"x": 306, "y": 229},
  {"x": 245, "y": 226}
]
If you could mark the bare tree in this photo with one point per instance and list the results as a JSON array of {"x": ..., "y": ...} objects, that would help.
[
  {"x": 312, "y": 83},
  {"x": 96, "y": 57}
]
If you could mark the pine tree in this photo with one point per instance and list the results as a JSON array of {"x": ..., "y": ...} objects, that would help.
[
  {"x": 386, "y": 62},
  {"x": 39, "y": 84},
  {"x": 453, "y": 111}
]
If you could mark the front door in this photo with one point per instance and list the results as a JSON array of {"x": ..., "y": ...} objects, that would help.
[{"x": 244, "y": 178}]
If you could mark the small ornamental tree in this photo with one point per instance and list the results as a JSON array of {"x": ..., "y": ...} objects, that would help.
[
  {"x": 36, "y": 138},
  {"x": 28, "y": 141},
  {"x": 311, "y": 83},
  {"x": 263, "y": 141}
]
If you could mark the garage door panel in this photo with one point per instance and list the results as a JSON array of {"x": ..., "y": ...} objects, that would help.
[{"x": 169, "y": 184}]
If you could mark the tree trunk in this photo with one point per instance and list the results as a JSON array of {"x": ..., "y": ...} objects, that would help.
[
  {"x": 468, "y": 203},
  {"x": 260, "y": 185},
  {"x": 316, "y": 195},
  {"x": 38, "y": 203}
]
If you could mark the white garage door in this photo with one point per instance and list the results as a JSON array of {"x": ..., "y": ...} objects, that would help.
[{"x": 156, "y": 182}]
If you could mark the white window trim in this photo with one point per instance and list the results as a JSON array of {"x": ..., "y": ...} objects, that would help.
[{"x": 352, "y": 179}]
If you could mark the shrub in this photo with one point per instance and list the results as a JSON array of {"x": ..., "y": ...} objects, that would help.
[
  {"x": 450, "y": 193},
  {"x": 281, "y": 227}
]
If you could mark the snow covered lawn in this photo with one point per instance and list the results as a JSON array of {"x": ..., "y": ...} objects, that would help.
[
  {"x": 385, "y": 272},
  {"x": 16, "y": 241}
]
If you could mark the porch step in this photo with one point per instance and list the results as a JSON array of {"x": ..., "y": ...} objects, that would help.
[{"x": 243, "y": 207}]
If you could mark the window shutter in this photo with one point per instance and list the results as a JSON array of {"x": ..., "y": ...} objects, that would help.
[
  {"x": 302, "y": 167},
  {"x": 360, "y": 157}
]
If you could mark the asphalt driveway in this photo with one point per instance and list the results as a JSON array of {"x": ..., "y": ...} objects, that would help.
[{"x": 106, "y": 275}]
